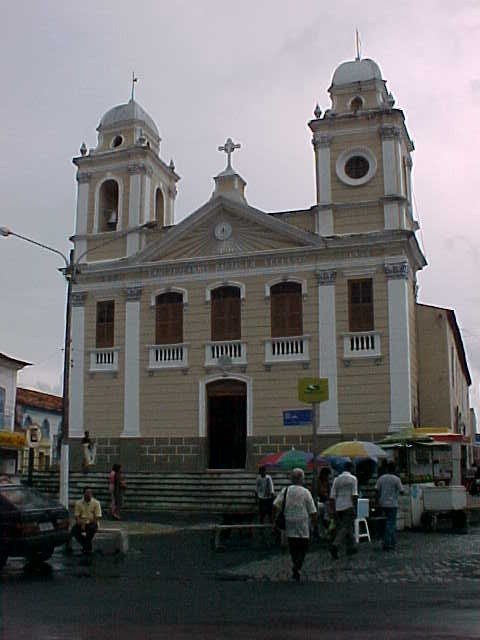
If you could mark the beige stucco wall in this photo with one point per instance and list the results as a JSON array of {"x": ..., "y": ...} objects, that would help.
[
  {"x": 104, "y": 391},
  {"x": 358, "y": 219},
  {"x": 433, "y": 366},
  {"x": 364, "y": 385}
]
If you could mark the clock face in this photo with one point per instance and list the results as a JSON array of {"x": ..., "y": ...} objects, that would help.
[{"x": 223, "y": 231}]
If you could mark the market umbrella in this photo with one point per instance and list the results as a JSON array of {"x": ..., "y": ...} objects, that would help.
[
  {"x": 405, "y": 436},
  {"x": 355, "y": 449},
  {"x": 287, "y": 460}
]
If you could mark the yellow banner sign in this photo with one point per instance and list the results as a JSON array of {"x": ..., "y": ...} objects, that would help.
[
  {"x": 313, "y": 389},
  {"x": 12, "y": 439}
]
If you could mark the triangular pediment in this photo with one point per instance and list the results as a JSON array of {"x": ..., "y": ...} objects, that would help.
[{"x": 225, "y": 228}]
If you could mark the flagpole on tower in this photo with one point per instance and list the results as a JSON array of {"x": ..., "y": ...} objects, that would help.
[
  {"x": 134, "y": 80},
  {"x": 357, "y": 44}
]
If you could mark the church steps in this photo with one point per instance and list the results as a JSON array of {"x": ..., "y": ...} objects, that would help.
[{"x": 210, "y": 492}]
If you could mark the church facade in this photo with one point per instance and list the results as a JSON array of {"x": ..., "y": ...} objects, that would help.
[{"x": 188, "y": 339}]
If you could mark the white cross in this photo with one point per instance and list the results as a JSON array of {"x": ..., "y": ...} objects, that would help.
[{"x": 229, "y": 147}]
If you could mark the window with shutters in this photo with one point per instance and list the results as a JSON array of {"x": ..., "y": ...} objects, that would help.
[
  {"x": 226, "y": 314},
  {"x": 169, "y": 318},
  {"x": 105, "y": 324},
  {"x": 286, "y": 309},
  {"x": 360, "y": 307}
]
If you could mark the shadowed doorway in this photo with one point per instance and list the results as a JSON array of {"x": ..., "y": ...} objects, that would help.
[{"x": 227, "y": 424}]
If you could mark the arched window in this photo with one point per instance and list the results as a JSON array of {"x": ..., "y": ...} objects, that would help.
[
  {"x": 108, "y": 206},
  {"x": 286, "y": 311},
  {"x": 27, "y": 422},
  {"x": 159, "y": 207},
  {"x": 46, "y": 429},
  {"x": 169, "y": 318},
  {"x": 226, "y": 318}
]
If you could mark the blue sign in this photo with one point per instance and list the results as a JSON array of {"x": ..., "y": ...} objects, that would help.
[{"x": 297, "y": 417}]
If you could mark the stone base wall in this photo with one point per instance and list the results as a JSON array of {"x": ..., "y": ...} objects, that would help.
[
  {"x": 183, "y": 454},
  {"x": 144, "y": 454}
]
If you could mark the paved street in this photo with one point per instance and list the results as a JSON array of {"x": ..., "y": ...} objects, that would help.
[{"x": 173, "y": 584}]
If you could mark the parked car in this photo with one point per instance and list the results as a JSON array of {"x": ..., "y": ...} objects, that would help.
[{"x": 31, "y": 524}]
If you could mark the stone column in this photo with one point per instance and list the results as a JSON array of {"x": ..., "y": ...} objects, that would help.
[
  {"x": 77, "y": 367},
  {"x": 399, "y": 345},
  {"x": 327, "y": 350},
  {"x": 391, "y": 177},
  {"x": 81, "y": 228},
  {"x": 135, "y": 172},
  {"x": 131, "y": 412},
  {"x": 321, "y": 145}
]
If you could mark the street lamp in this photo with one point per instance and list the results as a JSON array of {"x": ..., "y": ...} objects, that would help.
[{"x": 70, "y": 272}]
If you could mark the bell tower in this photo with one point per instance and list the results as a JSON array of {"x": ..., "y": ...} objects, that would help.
[
  {"x": 122, "y": 184},
  {"x": 362, "y": 155}
]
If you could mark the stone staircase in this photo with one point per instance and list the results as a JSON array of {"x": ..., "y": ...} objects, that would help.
[{"x": 207, "y": 492}]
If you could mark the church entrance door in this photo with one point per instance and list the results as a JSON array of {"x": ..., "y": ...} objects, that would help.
[{"x": 227, "y": 424}]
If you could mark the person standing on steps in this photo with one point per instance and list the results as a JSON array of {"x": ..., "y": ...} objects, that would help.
[
  {"x": 299, "y": 511},
  {"x": 116, "y": 487},
  {"x": 343, "y": 499},
  {"x": 265, "y": 494}
]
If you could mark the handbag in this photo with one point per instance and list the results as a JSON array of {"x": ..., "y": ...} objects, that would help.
[{"x": 280, "y": 519}]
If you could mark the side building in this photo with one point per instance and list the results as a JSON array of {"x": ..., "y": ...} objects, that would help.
[
  {"x": 188, "y": 339},
  {"x": 44, "y": 410},
  {"x": 11, "y": 443}
]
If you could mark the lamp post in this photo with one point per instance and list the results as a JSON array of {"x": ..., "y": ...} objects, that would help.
[{"x": 70, "y": 271}]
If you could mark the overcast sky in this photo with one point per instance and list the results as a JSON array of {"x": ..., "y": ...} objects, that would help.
[{"x": 208, "y": 69}]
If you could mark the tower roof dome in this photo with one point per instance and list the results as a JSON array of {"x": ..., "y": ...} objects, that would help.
[
  {"x": 127, "y": 113},
  {"x": 356, "y": 71}
]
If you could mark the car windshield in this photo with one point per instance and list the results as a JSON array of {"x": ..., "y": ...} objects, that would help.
[{"x": 26, "y": 498}]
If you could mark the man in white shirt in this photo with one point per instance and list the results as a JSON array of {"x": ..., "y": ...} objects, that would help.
[
  {"x": 343, "y": 497},
  {"x": 299, "y": 510},
  {"x": 388, "y": 487}
]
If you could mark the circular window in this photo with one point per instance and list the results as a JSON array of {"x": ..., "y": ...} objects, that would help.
[
  {"x": 117, "y": 141},
  {"x": 356, "y": 166}
]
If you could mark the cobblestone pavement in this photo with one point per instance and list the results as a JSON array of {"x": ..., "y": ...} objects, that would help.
[{"x": 425, "y": 558}]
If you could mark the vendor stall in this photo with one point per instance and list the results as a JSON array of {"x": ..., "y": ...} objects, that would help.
[{"x": 11, "y": 445}]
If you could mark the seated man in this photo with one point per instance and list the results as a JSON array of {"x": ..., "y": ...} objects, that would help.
[{"x": 87, "y": 513}]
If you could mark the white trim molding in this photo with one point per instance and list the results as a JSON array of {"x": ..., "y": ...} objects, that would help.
[
  {"x": 399, "y": 346},
  {"x": 131, "y": 411},
  {"x": 202, "y": 400},
  {"x": 159, "y": 292},
  {"x": 327, "y": 349},
  {"x": 224, "y": 283},
  {"x": 77, "y": 364},
  {"x": 96, "y": 213},
  {"x": 344, "y": 157},
  {"x": 286, "y": 278}
]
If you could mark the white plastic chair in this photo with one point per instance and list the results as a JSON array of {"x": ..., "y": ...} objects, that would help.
[{"x": 363, "y": 511}]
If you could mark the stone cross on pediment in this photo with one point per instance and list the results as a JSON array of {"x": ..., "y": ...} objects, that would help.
[{"x": 229, "y": 147}]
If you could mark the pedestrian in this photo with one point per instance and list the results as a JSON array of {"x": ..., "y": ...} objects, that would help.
[
  {"x": 116, "y": 487},
  {"x": 89, "y": 452},
  {"x": 87, "y": 514},
  {"x": 343, "y": 502},
  {"x": 388, "y": 487},
  {"x": 323, "y": 491},
  {"x": 265, "y": 494},
  {"x": 299, "y": 511}
]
